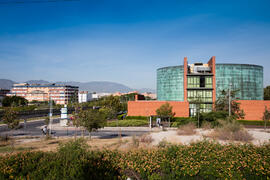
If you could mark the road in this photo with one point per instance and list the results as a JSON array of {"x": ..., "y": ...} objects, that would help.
[{"x": 33, "y": 128}]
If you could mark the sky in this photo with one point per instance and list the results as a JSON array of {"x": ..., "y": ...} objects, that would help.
[{"x": 126, "y": 41}]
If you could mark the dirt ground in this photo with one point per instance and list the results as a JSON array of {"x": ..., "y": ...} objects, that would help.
[{"x": 42, "y": 144}]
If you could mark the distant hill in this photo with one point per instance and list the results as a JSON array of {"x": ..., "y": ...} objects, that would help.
[
  {"x": 6, "y": 83},
  {"x": 93, "y": 86},
  {"x": 99, "y": 86},
  {"x": 142, "y": 90},
  {"x": 37, "y": 82}
]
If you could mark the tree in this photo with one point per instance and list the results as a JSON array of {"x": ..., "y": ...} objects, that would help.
[
  {"x": 76, "y": 121},
  {"x": 73, "y": 99},
  {"x": 111, "y": 104},
  {"x": 198, "y": 101},
  {"x": 222, "y": 104},
  {"x": 165, "y": 110},
  {"x": 267, "y": 93},
  {"x": 10, "y": 118},
  {"x": 9, "y": 101},
  {"x": 92, "y": 119},
  {"x": 266, "y": 116}
]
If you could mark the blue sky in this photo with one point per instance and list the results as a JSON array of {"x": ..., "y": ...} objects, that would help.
[{"x": 126, "y": 41}]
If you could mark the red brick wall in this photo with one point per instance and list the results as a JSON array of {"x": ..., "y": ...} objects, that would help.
[
  {"x": 147, "y": 108},
  {"x": 253, "y": 108}
]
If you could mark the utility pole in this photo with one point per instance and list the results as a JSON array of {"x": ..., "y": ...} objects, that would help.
[
  {"x": 230, "y": 100},
  {"x": 50, "y": 116}
]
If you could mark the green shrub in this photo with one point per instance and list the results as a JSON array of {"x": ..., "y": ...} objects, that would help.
[
  {"x": 25, "y": 108},
  {"x": 213, "y": 117},
  {"x": 121, "y": 116},
  {"x": 177, "y": 122},
  {"x": 127, "y": 123},
  {"x": 256, "y": 123},
  {"x": 72, "y": 161},
  {"x": 137, "y": 117},
  {"x": 203, "y": 160}
]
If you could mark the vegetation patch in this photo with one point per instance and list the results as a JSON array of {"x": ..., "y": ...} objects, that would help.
[
  {"x": 188, "y": 129},
  {"x": 231, "y": 130},
  {"x": 203, "y": 160},
  {"x": 127, "y": 123}
]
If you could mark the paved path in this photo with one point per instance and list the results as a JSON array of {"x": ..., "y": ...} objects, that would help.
[{"x": 33, "y": 128}]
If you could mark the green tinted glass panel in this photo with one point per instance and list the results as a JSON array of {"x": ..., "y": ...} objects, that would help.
[
  {"x": 209, "y": 82},
  {"x": 170, "y": 81},
  {"x": 247, "y": 79},
  {"x": 193, "y": 82},
  {"x": 200, "y": 96}
]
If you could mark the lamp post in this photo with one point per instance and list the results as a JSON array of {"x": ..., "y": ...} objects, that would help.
[
  {"x": 230, "y": 112},
  {"x": 50, "y": 116}
]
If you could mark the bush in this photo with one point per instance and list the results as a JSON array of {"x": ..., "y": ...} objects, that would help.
[
  {"x": 203, "y": 160},
  {"x": 121, "y": 116},
  {"x": 72, "y": 161},
  {"x": 255, "y": 123},
  {"x": 137, "y": 117},
  {"x": 25, "y": 108},
  {"x": 182, "y": 121},
  {"x": 232, "y": 130},
  {"x": 187, "y": 129},
  {"x": 146, "y": 138},
  {"x": 206, "y": 125},
  {"x": 127, "y": 123},
  {"x": 213, "y": 117}
]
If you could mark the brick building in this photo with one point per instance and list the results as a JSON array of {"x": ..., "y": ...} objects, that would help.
[
  {"x": 60, "y": 94},
  {"x": 186, "y": 85}
]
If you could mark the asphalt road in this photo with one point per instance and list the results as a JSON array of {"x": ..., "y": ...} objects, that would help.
[{"x": 33, "y": 129}]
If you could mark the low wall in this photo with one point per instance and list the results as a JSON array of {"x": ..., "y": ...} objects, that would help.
[
  {"x": 147, "y": 108},
  {"x": 254, "y": 109}
]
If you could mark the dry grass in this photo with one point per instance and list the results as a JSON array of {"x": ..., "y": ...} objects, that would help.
[
  {"x": 188, "y": 129},
  {"x": 53, "y": 144},
  {"x": 146, "y": 138},
  {"x": 206, "y": 125},
  {"x": 231, "y": 131},
  {"x": 135, "y": 142}
]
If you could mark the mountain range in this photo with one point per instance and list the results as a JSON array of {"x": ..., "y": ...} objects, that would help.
[{"x": 93, "y": 86}]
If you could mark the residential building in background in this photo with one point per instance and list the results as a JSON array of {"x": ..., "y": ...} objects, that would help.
[
  {"x": 189, "y": 84},
  {"x": 149, "y": 94},
  {"x": 84, "y": 96},
  {"x": 60, "y": 94}
]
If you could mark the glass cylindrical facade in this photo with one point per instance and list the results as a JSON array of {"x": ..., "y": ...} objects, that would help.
[
  {"x": 170, "y": 83},
  {"x": 245, "y": 78}
]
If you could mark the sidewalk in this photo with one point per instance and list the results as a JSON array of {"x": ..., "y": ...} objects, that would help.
[{"x": 147, "y": 129}]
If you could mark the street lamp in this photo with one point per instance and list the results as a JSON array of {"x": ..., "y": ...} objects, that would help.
[
  {"x": 230, "y": 112},
  {"x": 50, "y": 116}
]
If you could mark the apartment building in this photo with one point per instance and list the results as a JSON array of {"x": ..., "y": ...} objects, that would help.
[{"x": 60, "y": 94}]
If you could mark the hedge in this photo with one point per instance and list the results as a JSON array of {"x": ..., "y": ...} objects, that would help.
[
  {"x": 203, "y": 160},
  {"x": 137, "y": 117},
  {"x": 256, "y": 123},
  {"x": 127, "y": 123}
]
